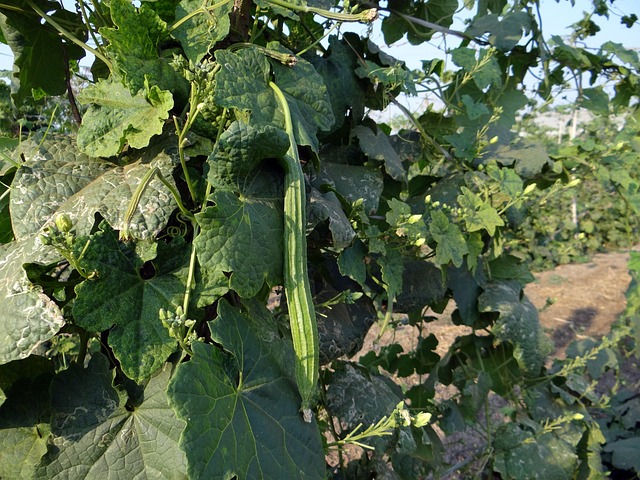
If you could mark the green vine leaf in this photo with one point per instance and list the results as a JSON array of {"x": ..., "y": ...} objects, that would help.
[
  {"x": 242, "y": 235},
  {"x": 337, "y": 70},
  {"x": 134, "y": 46},
  {"x": 519, "y": 453},
  {"x": 240, "y": 396},
  {"x": 239, "y": 152},
  {"x": 505, "y": 32},
  {"x": 326, "y": 206},
  {"x": 307, "y": 96},
  {"x": 200, "y": 32},
  {"x": 451, "y": 246},
  {"x": 24, "y": 416},
  {"x": 352, "y": 262},
  {"x": 37, "y": 48},
  {"x": 528, "y": 159},
  {"x": 101, "y": 432},
  {"x": 127, "y": 295},
  {"x": 28, "y": 317},
  {"x": 116, "y": 117},
  {"x": 517, "y": 324},
  {"x": 377, "y": 146},
  {"x": 352, "y": 182},
  {"x": 57, "y": 179},
  {"x": 242, "y": 232},
  {"x": 479, "y": 215},
  {"x": 375, "y": 395},
  {"x": 243, "y": 83}
]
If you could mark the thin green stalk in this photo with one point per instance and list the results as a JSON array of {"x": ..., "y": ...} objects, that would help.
[
  {"x": 191, "y": 275},
  {"x": 176, "y": 195},
  {"x": 328, "y": 32},
  {"x": 69, "y": 36},
  {"x": 367, "y": 16},
  {"x": 85, "y": 18},
  {"x": 183, "y": 163},
  {"x": 46, "y": 132},
  {"x": 135, "y": 200},
  {"x": 196, "y": 230},
  {"x": 84, "y": 341},
  {"x": 413, "y": 21},
  {"x": 196, "y": 12}
]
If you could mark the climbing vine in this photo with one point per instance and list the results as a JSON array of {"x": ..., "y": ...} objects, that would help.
[{"x": 193, "y": 253}]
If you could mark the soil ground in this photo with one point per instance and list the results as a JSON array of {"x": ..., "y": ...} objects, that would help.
[{"x": 587, "y": 298}]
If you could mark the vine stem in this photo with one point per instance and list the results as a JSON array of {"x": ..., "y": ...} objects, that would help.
[
  {"x": 182, "y": 135},
  {"x": 197, "y": 11},
  {"x": 367, "y": 16},
  {"x": 196, "y": 229}
]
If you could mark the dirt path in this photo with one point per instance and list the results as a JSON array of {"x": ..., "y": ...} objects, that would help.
[{"x": 587, "y": 298}]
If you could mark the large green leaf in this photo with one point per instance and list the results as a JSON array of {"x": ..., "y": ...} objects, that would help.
[
  {"x": 238, "y": 153},
  {"x": 242, "y": 232},
  {"x": 200, "y": 32},
  {"x": 128, "y": 293},
  {"x": 243, "y": 235},
  {"x": 338, "y": 72},
  {"x": 517, "y": 324},
  {"x": 134, "y": 46},
  {"x": 24, "y": 416},
  {"x": 55, "y": 178},
  {"x": 307, "y": 96},
  {"x": 116, "y": 117},
  {"x": 243, "y": 83},
  {"x": 521, "y": 456},
  {"x": 241, "y": 410},
  {"x": 527, "y": 158},
  {"x": 505, "y": 32},
  {"x": 37, "y": 48},
  {"x": 352, "y": 182},
  {"x": 625, "y": 453},
  {"x": 374, "y": 395},
  {"x": 377, "y": 147},
  {"x": 100, "y": 432},
  {"x": 28, "y": 317},
  {"x": 451, "y": 246},
  {"x": 439, "y": 12}
]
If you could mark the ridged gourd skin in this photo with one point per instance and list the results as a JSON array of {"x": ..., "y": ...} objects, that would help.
[{"x": 302, "y": 316}]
